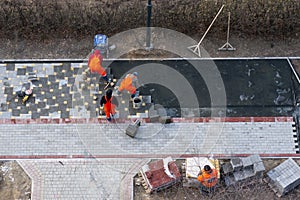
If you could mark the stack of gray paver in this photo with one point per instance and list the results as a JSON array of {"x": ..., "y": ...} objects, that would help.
[
  {"x": 239, "y": 169},
  {"x": 158, "y": 114},
  {"x": 284, "y": 177}
]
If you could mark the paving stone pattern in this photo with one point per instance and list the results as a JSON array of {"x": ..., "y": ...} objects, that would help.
[
  {"x": 55, "y": 94},
  {"x": 109, "y": 179},
  {"x": 60, "y": 90}
]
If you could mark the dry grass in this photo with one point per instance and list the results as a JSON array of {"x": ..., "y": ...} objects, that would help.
[{"x": 64, "y": 18}]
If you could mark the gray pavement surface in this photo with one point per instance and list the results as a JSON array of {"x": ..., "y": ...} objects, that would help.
[{"x": 151, "y": 139}]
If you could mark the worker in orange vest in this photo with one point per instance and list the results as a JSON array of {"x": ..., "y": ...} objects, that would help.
[
  {"x": 95, "y": 64},
  {"x": 130, "y": 84},
  {"x": 208, "y": 178},
  {"x": 109, "y": 104}
]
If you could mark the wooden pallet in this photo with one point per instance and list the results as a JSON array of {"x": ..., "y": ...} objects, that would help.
[{"x": 266, "y": 180}]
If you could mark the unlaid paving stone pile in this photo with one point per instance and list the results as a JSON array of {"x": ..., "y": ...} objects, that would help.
[
  {"x": 239, "y": 169},
  {"x": 284, "y": 177}
]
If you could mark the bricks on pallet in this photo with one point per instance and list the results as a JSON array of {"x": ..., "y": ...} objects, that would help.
[
  {"x": 227, "y": 168},
  {"x": 285, "y": 177},
  {"x": 247, "y": 163},
  {"x": 259, "y": 168},
  {"x": 255, "y": 158},
  {"x": 238, "y": 175},
  {"x": 237, "y": 164},
  {"x": 248, "y": 173},
  {"x": 243, "y": 174}
]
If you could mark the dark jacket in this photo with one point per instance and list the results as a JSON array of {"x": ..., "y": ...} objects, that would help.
[{"x": 103, "y": 101}]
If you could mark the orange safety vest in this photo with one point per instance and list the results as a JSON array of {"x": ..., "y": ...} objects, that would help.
[
  {"x": 126, "y": 84},
  {"x": 95, "y": 61},
  {"x": 208, "y": 179},
  {"x": 109, "y": 108}
]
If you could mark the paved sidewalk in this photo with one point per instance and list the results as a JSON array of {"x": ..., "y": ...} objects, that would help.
[
  {"x": 71, "y": 140},
  {"x": 61, "y": 179}
]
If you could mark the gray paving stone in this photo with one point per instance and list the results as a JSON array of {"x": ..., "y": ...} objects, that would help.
[
  {"x": 259, "y": 168},
  {"x": 227, "y": 168},
  {"x": 285, "y": 177},
  {"x": 5, "y": 115},
  {"x": 236, "y": 164}
]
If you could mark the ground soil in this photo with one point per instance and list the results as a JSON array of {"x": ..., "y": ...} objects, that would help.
[
  {"x": 79, "y": 48},
  {"x": 14, "y": 182}
]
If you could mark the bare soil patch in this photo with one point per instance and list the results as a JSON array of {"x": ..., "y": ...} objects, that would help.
[{"x": 14, "y": 182}]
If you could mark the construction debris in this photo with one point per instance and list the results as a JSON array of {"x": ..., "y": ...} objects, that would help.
[
  {"x": 239, "y": 169},
  {"x": 160, "y": 174},
  {"x": 284, "y": 177}
]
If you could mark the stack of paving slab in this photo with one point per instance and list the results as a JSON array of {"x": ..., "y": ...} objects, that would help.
[
  {"x": 160, "y": 174},
  {"x": 159, "y": 115},
  {"x": 239, "y": 169},
  {"x": 284, "y": 177}
]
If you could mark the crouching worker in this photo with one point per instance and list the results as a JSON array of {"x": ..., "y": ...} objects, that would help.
[
  {"x": 109, "y": 104},
  {"x": 208, "y": 178},
  {"x": 129, "y": 83},
  {"x": 24, "y": 95}
]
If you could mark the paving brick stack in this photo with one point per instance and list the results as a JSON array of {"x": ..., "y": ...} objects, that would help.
[
  {"x": 284, "y": 177},
  {"x": 239, "y": 169}
]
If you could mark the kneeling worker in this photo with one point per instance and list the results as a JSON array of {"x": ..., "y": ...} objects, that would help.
[
  {"x": 129, "y": 83},
  {"x": 109, "y": 104},
  {"x": 208, "y": 178}
]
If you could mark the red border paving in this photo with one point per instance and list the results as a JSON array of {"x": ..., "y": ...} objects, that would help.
[{"x": 174, "y": 120}]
